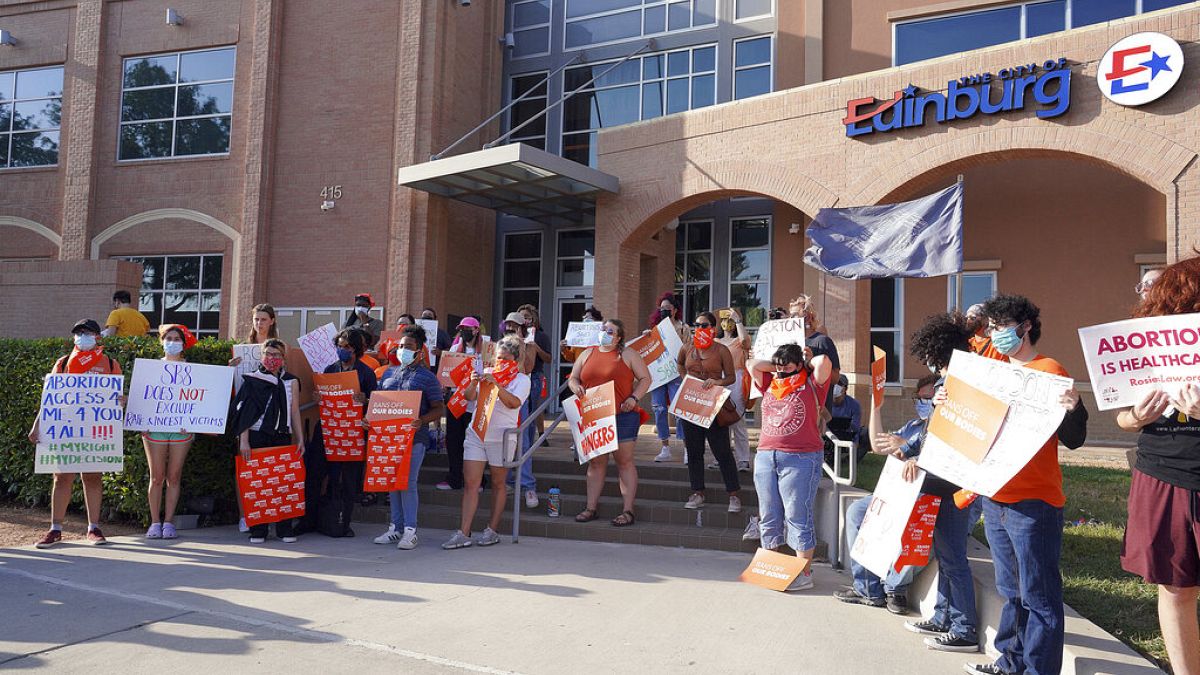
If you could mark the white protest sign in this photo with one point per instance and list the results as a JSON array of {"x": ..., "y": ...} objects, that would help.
[
  {"x": 583, "y": 333},
  {"x": 1034, "y": 414},
  {"x": 659, "y": 348},
  {"x": 177, "y": 396},
  {"x": 318, "y": 347},
  {"x": 79, "y": 424},
  {"x": 879, "y": 539},
  {"x": 774, "y": 334},
  {"x": 251, "y": 359},
  {"x": 593, "y": 421},
  {"x": 431, "y": 335},
  {"x": 1128, "y": 359}
]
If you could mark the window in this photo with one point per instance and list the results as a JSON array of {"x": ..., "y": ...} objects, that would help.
[
  {"x": 977, "y": 287},
  {"x": 522, "y": 270},
  {"x": 752, "y": 9},
  {"x": 752, "y": 67},
  {"x": 528, "y": 108},
  {"x": 750, "y": 268},
  {"x": 576, "y": 258},
  {"x": 639, "y": 89},
  {"x": 182, "y": 289},
  {"x": 30, "y": 116},
  {"x": 592, "y": 22},
  {"x": 530, "y": 28},
  {"x": 1098, "y": 11},
  {"x": 887, "y": 323},
  {"x": 693, "y": 266},
  {"x": 175, "y": 105}
]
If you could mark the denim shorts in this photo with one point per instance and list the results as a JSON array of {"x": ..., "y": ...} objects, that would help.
[{"x": 628, "y": 424}]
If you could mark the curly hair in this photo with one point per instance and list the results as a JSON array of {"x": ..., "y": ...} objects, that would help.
[
  {"x": 1016, "y": 309},
  {"x": 416, "y": 332},
  {"x": 1176, "y": 291},
  {"x": 357, "y": 339},
  {"x": 935, "y": 341}
]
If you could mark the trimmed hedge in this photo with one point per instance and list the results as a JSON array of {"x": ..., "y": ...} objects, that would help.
[{"x": 209, "y": 467}]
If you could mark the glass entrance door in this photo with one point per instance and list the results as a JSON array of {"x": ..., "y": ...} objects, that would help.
[{"x": 570, "y": 308}]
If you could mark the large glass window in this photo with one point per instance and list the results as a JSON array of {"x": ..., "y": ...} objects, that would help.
[
  {"x": 530, "y": 27},
  {"x": 30, "y": 116},
  {"x": 752, "y": 67},
  {"x": 752, "y": 9},
  {"x": 977, "y": 287},
  {"x": 1089, "y": 12},
  {"x": 887, "y": 323},
  {"x": 182, "y": 289},
  {"x": 693, "y": 266},
  {"x": 531, "y": 107},
  {"x": 175, "y": 105},
  {"x": 592, "y": 22},
  {"x": 750, "y": 268},
  {"x": 522, "y": 275},
  {"x": 576, "y": 258},
  {"x": 639, "y": 89}
]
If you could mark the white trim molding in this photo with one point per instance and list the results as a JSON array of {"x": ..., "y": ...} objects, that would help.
[
  {"x": 161, "y": 214},
  {"x": 26, "y": 224}
]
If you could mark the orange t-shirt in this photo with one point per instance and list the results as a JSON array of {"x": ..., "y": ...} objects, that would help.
[
  {"x": 371, "y": 361},
  {"x": 1041, "y": 478}
]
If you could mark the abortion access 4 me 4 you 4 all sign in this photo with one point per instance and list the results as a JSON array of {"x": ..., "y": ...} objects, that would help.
[
  {"x": 79, "y": 424},
  {"x": 1128, "y": 359},
  {"x": 176, "y": 396}
]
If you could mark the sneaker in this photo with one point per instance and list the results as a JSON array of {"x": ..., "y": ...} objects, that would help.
[
  {"x": 713, "y": 466},
  {"x": 258, "y": 540},
  {"x": 695, "y": 501},
  {"x": 803, "y": 582},
  {"x": 926, "y": 628},
  {"x": 851, "y": 596},
  {"x": 663, "y": 455},
  {"x": 531, "y": 499},
  {"x": 752, "y": 533},
  {"x": 288, "y": 540},
  {"x": 168, "y": 531},
  {"x": 487, "y": 537},
  {"x": 457, "y": 540},
  {"x": 389, "y": 537},
  {"x": 155, "y": 531},
  {"x": 685, "y": 457},
  {"x": 51, "y": 538},
  {"x": 443, "y": 486},
  {"x": 984, "y": 669},
  {"x": 744, "y": 466},
  {"x": 952, "y": 643},
  {"x": 897, "y": 603},
  {"x": 95, "y": 537},
  {"x": 735, "y": 504},
  {"x": 242, "y": 526},
  {"x": 409, "y": 540}
]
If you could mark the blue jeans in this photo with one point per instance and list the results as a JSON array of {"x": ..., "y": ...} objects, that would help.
[
  {"x": 786, "y": 483},
  {"x": 955, "y": 605},
  {"x": 865, "y": 582},
  {"x": 1026, "y": 541},
  {"x": 660, "y": 400},
  {"x": 528, "y": 480},
  {"x": 403, "y": 503}
]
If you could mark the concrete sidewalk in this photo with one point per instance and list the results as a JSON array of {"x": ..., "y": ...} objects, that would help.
[{"x": 211, "y": 602}]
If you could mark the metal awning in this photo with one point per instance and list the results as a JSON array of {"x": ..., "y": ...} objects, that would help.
[{"x": 517, "y": 179}]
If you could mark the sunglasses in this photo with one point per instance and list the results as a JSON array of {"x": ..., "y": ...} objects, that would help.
[{"x": 702, "y": 325}]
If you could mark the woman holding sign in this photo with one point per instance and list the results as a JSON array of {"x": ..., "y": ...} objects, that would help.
[
  {"x": 660, "y": 399},
  {"x": 165, "y": 450},
  {"x": 469, "y": 341},
  {"x": 1162, "y": 538},
  {"x": 611, "y": 362},
  {"x": 712, "y": 363}
]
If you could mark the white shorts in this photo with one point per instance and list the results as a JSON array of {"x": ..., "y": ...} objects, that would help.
[{"x": 475, "y": 450}]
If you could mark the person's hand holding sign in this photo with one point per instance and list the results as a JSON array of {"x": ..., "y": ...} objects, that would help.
[
  {"x": 575, "y": 386},
  {"x": 909, "y": 472},
  {"x": 1069, "y": 399},
  {"x": 707, "y": 384},
  {"x": 889, "y": 444},
  {"x": 940, "y": 396},
  {"x": 1188, "y": 401},
  {"x": 1150, "y": 408},
  {"x": 629, "y": 404}
]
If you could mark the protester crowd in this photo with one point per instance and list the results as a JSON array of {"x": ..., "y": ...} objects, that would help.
[{"x": 804, "y": 401}]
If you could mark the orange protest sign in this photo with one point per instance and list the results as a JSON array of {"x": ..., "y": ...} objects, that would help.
[
  {"x": 773, "y": 570},
  {"x": 649, "y": 346},
  {"x": 340, "y": 416},
  {"x": 969, "y": 420},
  {"x": 593, "y": 421},
  {"x": 451, "y": 372},
  {"x": 394, "y": 405},
  {"x": 271, "y": 484},
  {"x": 878, "y": 376},
  {"x": 389, "y": 456},
  {"x": 488, "y": 395},
  {"x": 696, "y": 404},
  {"x": 917, "y": 540}
]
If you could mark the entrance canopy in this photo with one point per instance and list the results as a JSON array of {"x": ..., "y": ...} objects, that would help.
[{"x": 516, "y": 179}]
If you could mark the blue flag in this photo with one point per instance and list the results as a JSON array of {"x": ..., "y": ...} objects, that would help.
[{"x": 921, "y": 238}]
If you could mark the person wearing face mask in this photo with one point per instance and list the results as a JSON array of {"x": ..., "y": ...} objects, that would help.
[
  {"x": 567, "y": 353},
  {"x": 734, "y": 336},
  {"x": 660, "y": 399},
  {"x": 411, "y": 373},
  {"x": 361, "y": 318},
  {"x": 818, "y": 343},
  {"x": 981, "y": 341},
  {"x": 787, "y": 466},
  {"x": 124, "y": 320},
  {"x": 1146, "y": 282},
  {"x": 166, "y": 451},
  {"x": 846, "y": 416},
  {"x": 262, "y": 328},
  {"x": 266, "y": 414},
  {"x": 87, "y": 356},
  {"x": 468, "y": 341},
  {"x": 442, "y": 341},
  {"x": 710, "y": 362},
  {"x": 537, "y": 355}
]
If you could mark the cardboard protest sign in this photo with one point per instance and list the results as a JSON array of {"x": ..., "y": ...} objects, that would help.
[
  {"x": 879, "y": 538},
  {"x": 452, "y": 373},
  {"x": 488, "y": 352},
  {"x": 318, "y": 347},
  {"x": 774, "y": 334},
  {"x": 773, "y": 570},
  {"x": 696, "y": 404},
  {"x": 593, "y": 421},
  {"x": 878, "y": 376},
  {"x": 969, "y": 420},
  {"x": 178, "y": 396},
  {"x": 659, "y": 348},
  {"x": 389, "y": 455},
  {"x": 251, "y": 359},
  {"x": 1126, "y": 360},
  {"x": 394, "y": 405},
  {"x": 583, "y": 333},
  {"x": 1034, "y": 414},
  {"x": 489, "y": 395},
  {"x": 271, "y": 484},
  {"x": 917, "y": 540},
  {"x": 341, "y": 417},
  {"x": 79, "y": 424}
]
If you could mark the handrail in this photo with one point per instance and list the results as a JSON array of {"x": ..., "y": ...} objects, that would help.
[
  {"x": 516, "y": 433},
  {"x": 834, "y": 473}
]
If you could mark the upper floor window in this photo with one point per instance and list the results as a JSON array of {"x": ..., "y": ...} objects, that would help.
[
  {"x": 175, "y": 105},
  {"x": 530, "y": 28},
  {"x": 977, "y": 287},
  {"x": 752, "y": 67},
  {"x": 529, "y": 108},
  {"x": 30, "y": 116},
  {"x": 752, "y": 9},
  {"x": 591, "y": 22}
]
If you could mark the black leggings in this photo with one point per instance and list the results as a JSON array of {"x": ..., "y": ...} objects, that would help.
[
  {"x": 717, "y": 436},
  {"x": 456, "y": 435}
]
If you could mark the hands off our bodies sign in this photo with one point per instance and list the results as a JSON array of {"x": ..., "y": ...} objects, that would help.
[
  {"x": 593, "y": 421},
  {"x": 1128, "y": 359},
  {"x": 177, "y": 396},
  {"x": 79, "y": 424}
]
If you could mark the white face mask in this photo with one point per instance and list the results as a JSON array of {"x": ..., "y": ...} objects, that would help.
[
  {"x": 838, "y": 390},
  {"x": 85, "y": 341},
  {"x": 932, "y": 368},
  {"x": 361, "y": 310},
  {"x": 173, "y": 348}
]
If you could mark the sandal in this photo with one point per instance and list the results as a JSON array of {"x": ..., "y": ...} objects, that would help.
[
  {"x": 625, "y": 519},
  {"x": 586, "y": 516}
]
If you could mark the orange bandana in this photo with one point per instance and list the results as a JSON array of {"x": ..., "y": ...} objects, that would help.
[
  {"x": 505, "y": 371},
  {"x": 781, "y": 388},
  {"x": 82, "y": 362}
]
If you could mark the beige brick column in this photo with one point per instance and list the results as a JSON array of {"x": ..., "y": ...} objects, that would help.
[{"x": 81, "y": 73}]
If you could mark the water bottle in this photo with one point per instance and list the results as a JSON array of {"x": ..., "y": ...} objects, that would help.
[{"x": 554, "y": 503}]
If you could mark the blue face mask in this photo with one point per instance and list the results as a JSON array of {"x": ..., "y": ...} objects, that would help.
[
  {"x": 606, "y": 339},
  {"x": 172, "y": 348},
  {"x": 344, "y": 354},
  {"x": 924, "y": 408},
  {"x": 407, "y": 356},
  {"x": 1007, "y": 341}
]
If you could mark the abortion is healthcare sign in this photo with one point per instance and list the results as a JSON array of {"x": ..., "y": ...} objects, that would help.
[
  {"x": 1139, "y": 68},
  {"x": 79, "y": 424},
  {"x": 593, "y": 421},
  {"x": 176, "y": 396},
  {"x": 1128, "y": 359}
]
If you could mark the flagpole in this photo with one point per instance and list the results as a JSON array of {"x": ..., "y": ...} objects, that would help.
[{"x": 958, "y": 283}]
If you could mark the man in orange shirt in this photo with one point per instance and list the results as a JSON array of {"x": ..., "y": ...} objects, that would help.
[{"x": 1024, "y": 520}]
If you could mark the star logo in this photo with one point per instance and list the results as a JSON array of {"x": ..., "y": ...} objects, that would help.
[{"x": 1157, "y": 64}]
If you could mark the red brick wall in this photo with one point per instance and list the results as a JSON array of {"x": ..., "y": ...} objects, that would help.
[{"x": 46, "y": 298}]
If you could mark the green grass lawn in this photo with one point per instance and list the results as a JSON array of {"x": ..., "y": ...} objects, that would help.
[{"x": 1093, "y": 581}]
